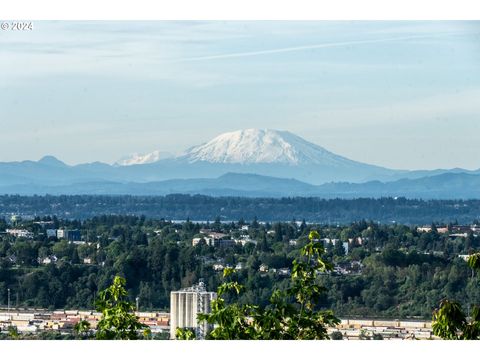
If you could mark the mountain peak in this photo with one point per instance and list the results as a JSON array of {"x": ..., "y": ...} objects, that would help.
[
  {"x": 252, "y": 146},
  {"x": 51, "y": 161},
  {"x": 136, "y": 158}
]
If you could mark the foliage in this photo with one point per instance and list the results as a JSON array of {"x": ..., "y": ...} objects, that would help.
[
  {"x": 394, "y": 272},
  {"x": 364, "y": 335},
  {"x": 82, "y": 330},
  {"x": 13, "y": 333},
  {"x": 336, "y": 335},
  {"x": 118, "y": 319},
  {"x": 184, "y": 334},
  {"x": 449, "y": 320},
  {"x": 291, "y": 314}
]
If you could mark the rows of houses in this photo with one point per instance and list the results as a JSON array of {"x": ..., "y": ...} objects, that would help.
[
  {"x": 453, "y": 231},
  {"x": 64, "y": 321},
  {"x": 356, "y": 329}
]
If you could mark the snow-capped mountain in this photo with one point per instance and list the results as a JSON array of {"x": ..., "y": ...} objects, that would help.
[
  {"x": 148, "y": 158},
  {"x": 256, "y": 152},
  {"x": 253, "y": 146},
  {"x": 250, "y": 146}
]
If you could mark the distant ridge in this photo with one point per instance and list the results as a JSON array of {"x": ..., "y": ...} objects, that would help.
[
  {"x": 273, "y": 162},
  {"x": 443, "y": 186}
]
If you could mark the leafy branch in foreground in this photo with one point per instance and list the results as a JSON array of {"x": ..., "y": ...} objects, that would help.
[
  {"x": 291, "y": 314},
  {"x": 119, "y": 321},
  {"x": 449, "y": 320}
]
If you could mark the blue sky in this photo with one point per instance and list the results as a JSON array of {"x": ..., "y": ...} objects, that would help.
[{"x": 397, "y": 94}]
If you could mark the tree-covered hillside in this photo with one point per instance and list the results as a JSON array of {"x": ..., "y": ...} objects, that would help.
[{"x": 386, "y": 271}]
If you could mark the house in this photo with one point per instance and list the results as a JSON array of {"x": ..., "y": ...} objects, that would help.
[
  {"x": 458, "y": 235},
  {"x": 47, "y": 260},
  {"x": 212, "y": 234},
  {"x": 327, "y": 241},
  {"x": 263, "y": 268},
  {"x": 358, "y": 240},
  {"x": 218, "y": 267},
  {"x": 78, "y": 242},
  {"x": 284, "y": 272},
  {"x": 442, "y": 230},
  {"x": 213, "y": 241},
  {"x": 424, "y": 228},
  {"x": 69, "y": 234},
  {"x": 21, "y": 233},
  {"x": 244, "y": 241}
]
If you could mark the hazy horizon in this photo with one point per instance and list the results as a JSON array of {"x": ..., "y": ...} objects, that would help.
[{"x": 402, "y": 95}]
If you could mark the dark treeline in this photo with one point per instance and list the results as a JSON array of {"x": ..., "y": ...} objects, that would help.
[{"x": 199, "y": 207}]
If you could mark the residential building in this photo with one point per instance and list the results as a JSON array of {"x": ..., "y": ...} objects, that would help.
[
  {"x": 71, "y": 235},
  {"x": 22, "y": 233},
  {"x": 213, "y": 241}
]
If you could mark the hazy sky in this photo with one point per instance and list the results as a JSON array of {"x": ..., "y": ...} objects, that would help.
[{"x": 397, "y": 94}]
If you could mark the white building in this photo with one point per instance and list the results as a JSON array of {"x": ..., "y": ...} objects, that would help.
[
  {"x": 218, "y": 267},
  {"x": 213, "y": 241},
  {"x": 464, "y": 257},
  {"x": 47, "y": 260},
  {"x": 185, "y": 304},
  {"x": 245, "y": 241},
  {"x": 22, "y": 233},
  {"x": 327, "y": 241}
]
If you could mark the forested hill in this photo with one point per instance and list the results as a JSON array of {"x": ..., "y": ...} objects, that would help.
[{"x": 199, "y": 207}]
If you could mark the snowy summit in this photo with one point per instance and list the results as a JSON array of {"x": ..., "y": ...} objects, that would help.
[
  {"x": 136, "y": 158},
  {"x": 252, "y": 146}
]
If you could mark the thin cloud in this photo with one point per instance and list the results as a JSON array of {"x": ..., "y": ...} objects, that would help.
[{"x": 309, "y": 47}]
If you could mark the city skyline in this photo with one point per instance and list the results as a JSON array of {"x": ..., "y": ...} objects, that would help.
[{"x": 395, "y": 94}]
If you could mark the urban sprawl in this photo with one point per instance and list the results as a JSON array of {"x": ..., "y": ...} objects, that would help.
[{"x": 260, "y": 252}]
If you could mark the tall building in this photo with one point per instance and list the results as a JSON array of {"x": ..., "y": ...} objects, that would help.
[
  {"x": 71, "y": 235},
  {"x": 185, "y": 304}
]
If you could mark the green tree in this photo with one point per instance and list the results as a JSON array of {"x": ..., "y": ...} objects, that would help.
[
  {"x": 451, "y": 323},
  {"x": 292, "y": 313},
  {"x": 118, "y": 318},
  {"x": 82, "y": 330},
  {"x": 13, "y": 333},
  {"x": 185, "y": 334},
  {"x": 336, "y": 335}
]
